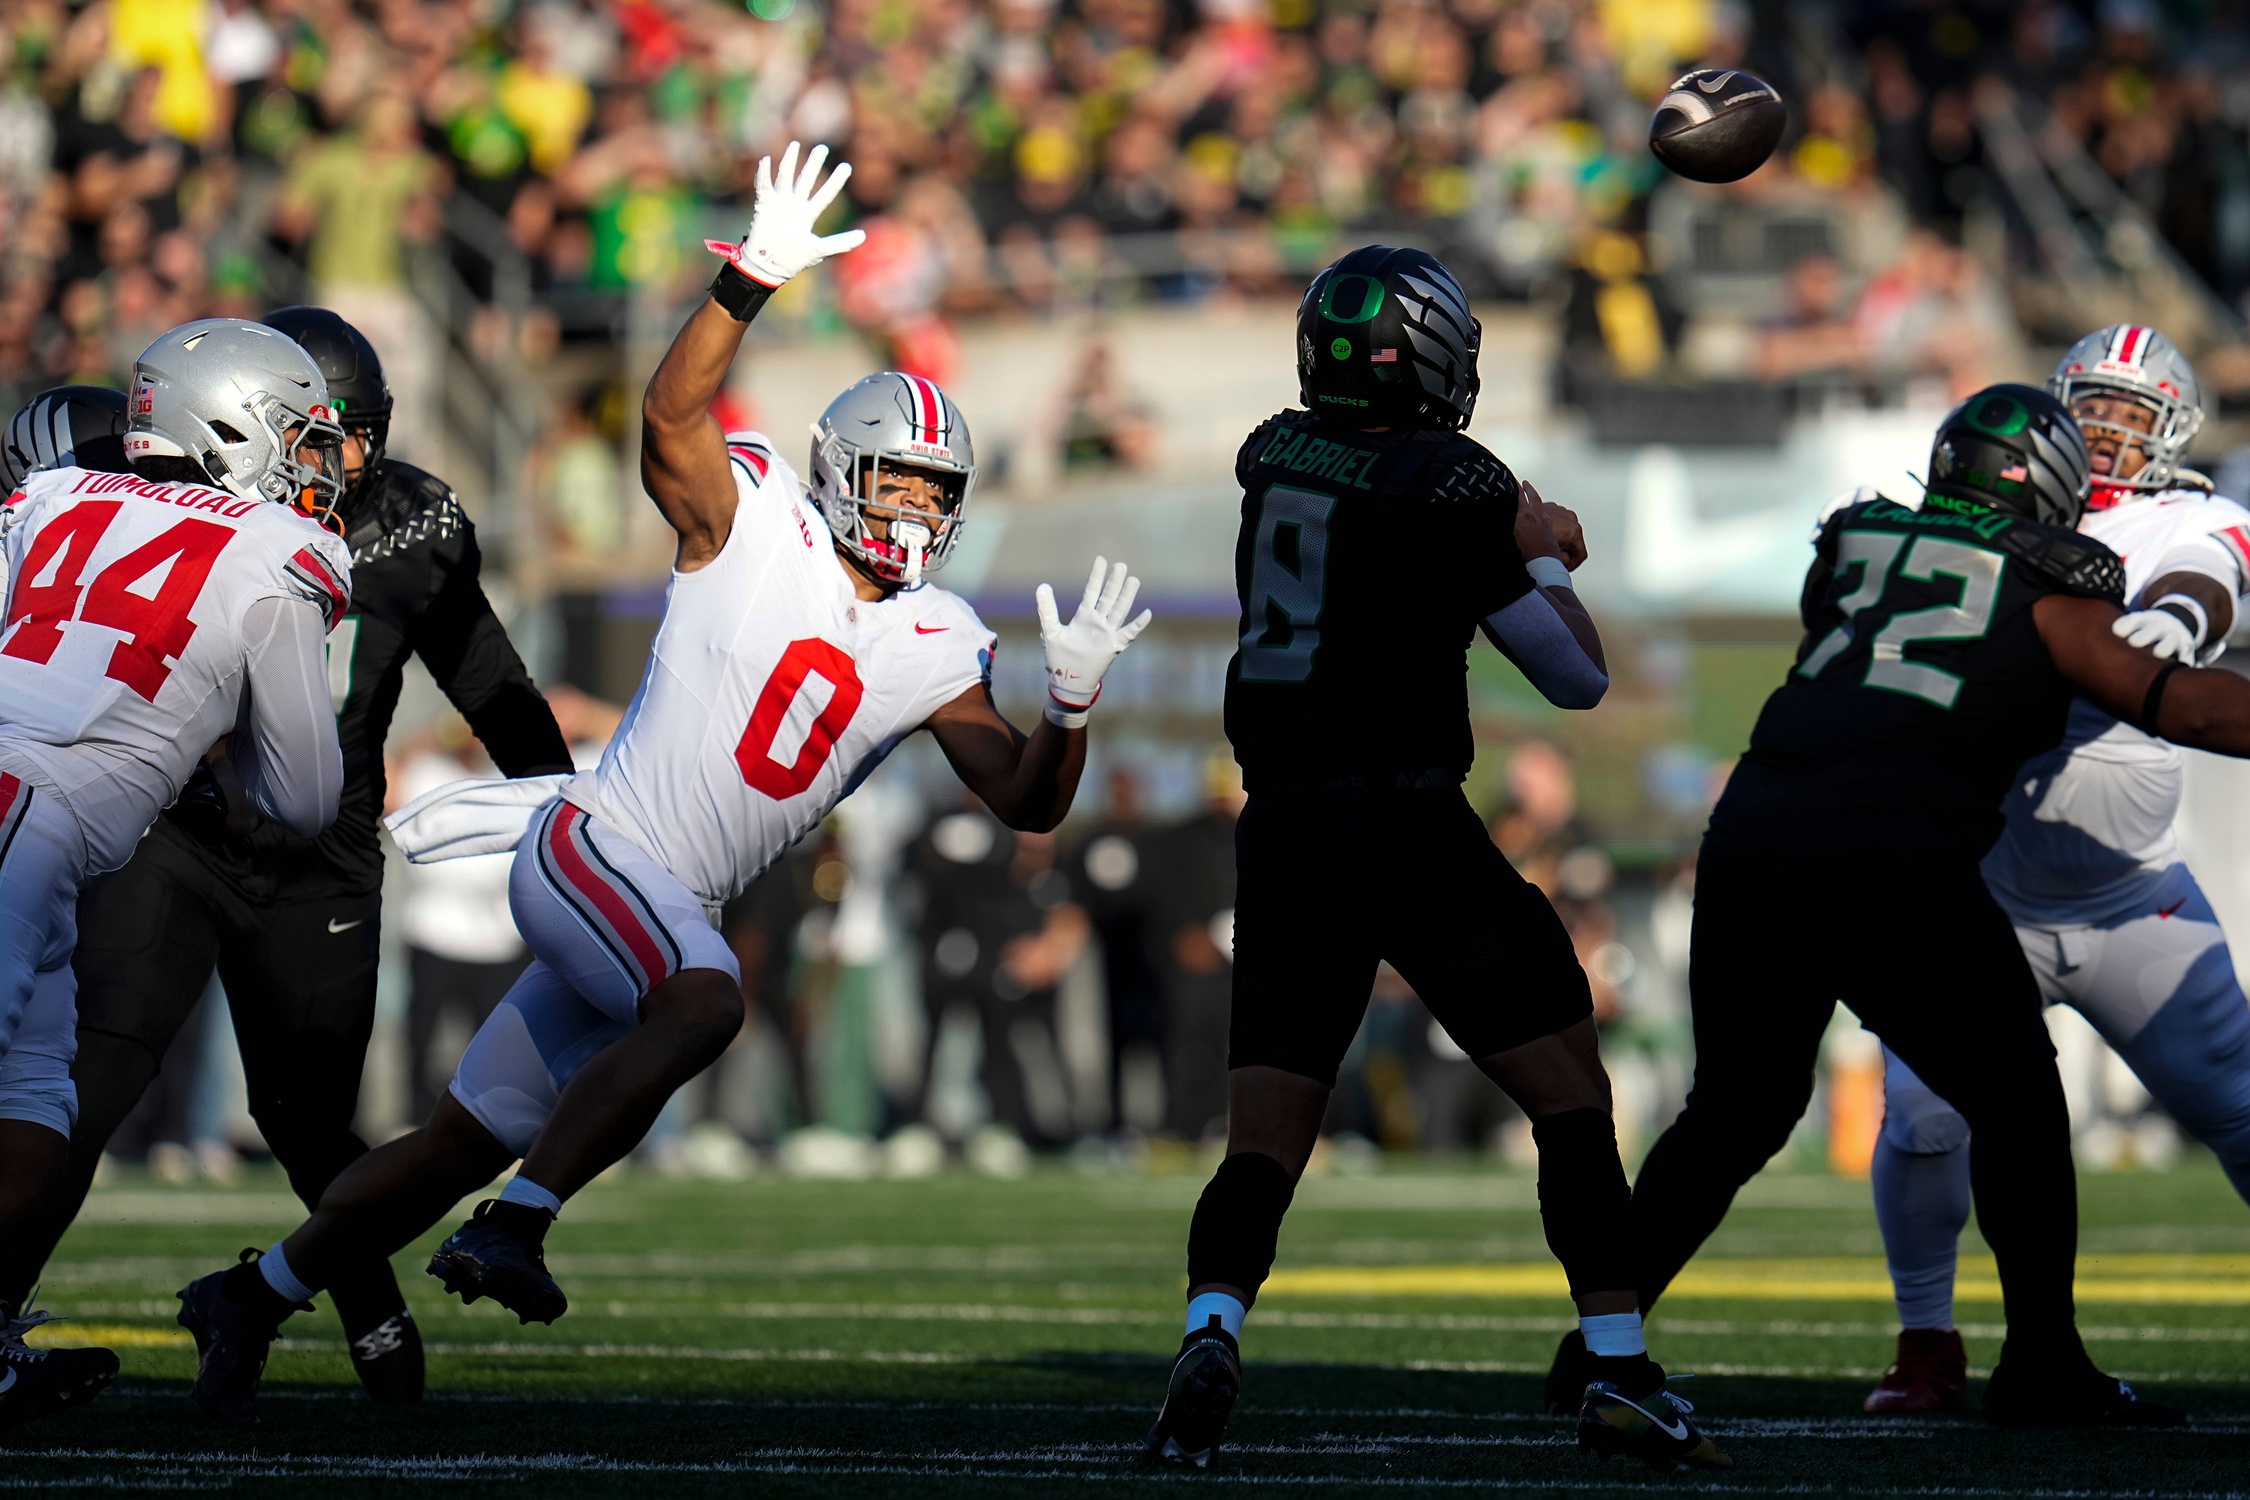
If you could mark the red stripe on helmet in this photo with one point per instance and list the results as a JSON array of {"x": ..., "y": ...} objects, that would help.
[{"x": 2131, "y": 344}]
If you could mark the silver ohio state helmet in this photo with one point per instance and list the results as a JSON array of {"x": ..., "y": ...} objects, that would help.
[
  {"x": 2142, "y": 365},
  {"x": 899, "y": 421},
  {"x": 244, "y": 404}
]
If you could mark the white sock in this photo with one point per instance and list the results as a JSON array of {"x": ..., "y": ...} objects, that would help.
[
  {"x": 521, "y": 1189},
  {"x": 274, "y": 1266},
  {"x": 1612, "y": 1335},
  {"x": 1229, "y": 1312},
  {"x": 1922, "y": 1203}
]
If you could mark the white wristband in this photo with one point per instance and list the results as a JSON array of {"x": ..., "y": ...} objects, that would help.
[
  {"x": 1066, "y": 716},
  {"x": 1548, "y": 572}
]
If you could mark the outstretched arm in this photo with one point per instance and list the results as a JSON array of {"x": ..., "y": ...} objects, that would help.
[
  {"x": 2201, "y": 707},
  {"x": 683, "y": 452},
  {"x": 1028, "y": 780}
]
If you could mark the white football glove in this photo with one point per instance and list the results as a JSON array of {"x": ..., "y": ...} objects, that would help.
[
  {"x": 2160, "y": 631},
  {"x": 1080, "y": 652},
  {"x": 781, "y": 241}
]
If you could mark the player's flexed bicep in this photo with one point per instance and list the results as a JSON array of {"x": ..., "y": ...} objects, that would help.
[{"x": 684, "y": 462}]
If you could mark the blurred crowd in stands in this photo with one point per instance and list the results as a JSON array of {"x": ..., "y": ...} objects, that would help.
[{"x": 161, "y": 159}]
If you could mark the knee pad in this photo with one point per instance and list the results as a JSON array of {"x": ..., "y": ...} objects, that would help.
[
  {"x": 1238, "y": 1223},
  {"x": 1585, "y": 1203}
]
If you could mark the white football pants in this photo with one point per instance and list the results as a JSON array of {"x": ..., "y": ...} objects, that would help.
[
  {"x": 42, "y": 863},
  {"x": 2159, "y": 985},
  {"x": 605, "y": 924}
]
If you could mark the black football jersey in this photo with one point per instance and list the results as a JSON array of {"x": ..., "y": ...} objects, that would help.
[
  {"x": 1920, "y": 686},
  {"x": 1365, "y": 562},
  {"x": 415, "y": 592}
]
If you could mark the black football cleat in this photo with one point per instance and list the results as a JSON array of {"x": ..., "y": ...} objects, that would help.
[
  {"x": 234, "y": 1316},
  {"x": 385, "y": 1344},
  {"x": 483, "y": 1258},
  {"x": 1654, "y": 1427},
  {"x": 1206, "y": 1380},
  {"x": 1568, "y": 1376},
  {"x": 37, "y": 1383},
  {"x": 2086, "y": 1399}
]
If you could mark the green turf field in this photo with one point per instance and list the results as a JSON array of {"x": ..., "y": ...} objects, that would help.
[{"x": 966, "y": 1337}]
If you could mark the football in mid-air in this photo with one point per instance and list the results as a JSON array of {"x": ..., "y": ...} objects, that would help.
[{"x": 1717, "y": 125}]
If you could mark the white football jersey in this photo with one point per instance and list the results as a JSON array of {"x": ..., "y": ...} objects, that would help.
[
  {"x": 2090, "y": 823},
  {"x": 121, "y": 653},
  {"x": 772, "y": 690}
]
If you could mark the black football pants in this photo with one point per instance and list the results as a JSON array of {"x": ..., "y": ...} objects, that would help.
[
  {"x": 1927, "y": 960},
  {"x": 300, "y": 980}
]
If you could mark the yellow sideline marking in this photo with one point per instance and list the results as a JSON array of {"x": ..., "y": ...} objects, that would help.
[
  {"x": 75, "y": 1335},
  {"x": 2204, "y": 1280}
]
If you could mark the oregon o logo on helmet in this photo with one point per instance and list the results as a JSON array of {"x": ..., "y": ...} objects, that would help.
[
  {"x": 2002, "y": 416},
  {"x": 1370, "y": 298},
  {"x": 1341, "y": 348}
]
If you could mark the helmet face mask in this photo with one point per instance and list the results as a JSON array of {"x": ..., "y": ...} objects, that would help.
[
  {"x": 887, "y": 424},
  {"x": 244, "y": 405},
  {"x": 2137, "y": 364}
]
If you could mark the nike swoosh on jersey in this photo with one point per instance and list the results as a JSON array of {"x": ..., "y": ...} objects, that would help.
[
  {"x": 336, "y": 926},
  {"x": 2165, "y": 911},
  {"x": 922, "y": 629}
]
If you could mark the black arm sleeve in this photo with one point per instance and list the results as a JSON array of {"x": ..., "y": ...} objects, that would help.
[{"x": 462, "y": 642}]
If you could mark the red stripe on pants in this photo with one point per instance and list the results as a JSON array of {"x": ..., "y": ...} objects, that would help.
[{"x": 588, "y": 883}]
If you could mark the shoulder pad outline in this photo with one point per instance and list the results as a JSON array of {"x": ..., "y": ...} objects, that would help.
[
  {"x": 2068, "y": 562},
  {"x": 410, "y": 508},
  {"x": 1480, "y": 475}
]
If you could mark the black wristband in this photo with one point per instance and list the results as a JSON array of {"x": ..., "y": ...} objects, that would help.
[
  {"x": 740, "y": 295},
  {"x": 2185, "y": 615},
  {"x": 2154, "y": 699}
]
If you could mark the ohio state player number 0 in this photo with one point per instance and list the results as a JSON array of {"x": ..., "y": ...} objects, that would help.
[{"x": 811, "y": 657}]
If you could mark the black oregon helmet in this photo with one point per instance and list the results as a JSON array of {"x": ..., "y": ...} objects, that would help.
[
  {"x": 2013, "y": 448},
  {"x": 71, "y": 424},
  {"x": 1385, "y": 339},
  {"x": 349, "y": 364}
]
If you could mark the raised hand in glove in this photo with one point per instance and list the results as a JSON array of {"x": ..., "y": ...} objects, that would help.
[
  {"x": 781, "y": 241},
  {"x": 1080, "y": 652},
  {"x": 2165, "y": 631}
]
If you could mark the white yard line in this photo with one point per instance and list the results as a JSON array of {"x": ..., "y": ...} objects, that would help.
[{"x": 1068, "y": 1462}]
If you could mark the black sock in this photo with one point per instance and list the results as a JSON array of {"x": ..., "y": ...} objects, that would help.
[
  {"x": 246, "y": 1286},
  {"x": 1633, "y": 1374},
  {"x": 522, "y": 1220}
]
